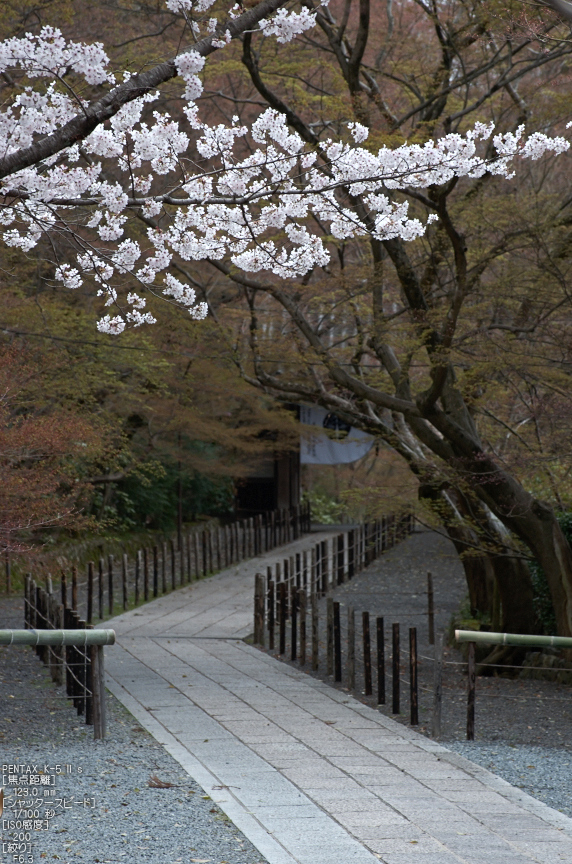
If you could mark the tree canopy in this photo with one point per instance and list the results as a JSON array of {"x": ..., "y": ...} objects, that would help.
[{"x": 386, "y": 192}]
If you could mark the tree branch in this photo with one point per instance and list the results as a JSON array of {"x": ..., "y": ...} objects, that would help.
[{"x": 80, "y": 126}]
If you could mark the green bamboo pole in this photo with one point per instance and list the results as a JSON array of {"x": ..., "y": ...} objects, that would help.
[
  {"x": 57, "y": 637},
  {"x": 481, "y": 637}
]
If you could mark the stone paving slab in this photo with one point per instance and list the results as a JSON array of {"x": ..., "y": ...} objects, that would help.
[{"x": 309, "y": 774}]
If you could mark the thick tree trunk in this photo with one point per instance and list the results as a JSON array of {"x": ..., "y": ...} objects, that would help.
[
  {"x": 540, "y": 530},
  {"x": 535, "y": 523},
  {"x": 532, "y": 521},
  {"x": 478, "y": 569},
  {"x": 466, "y": 523}
]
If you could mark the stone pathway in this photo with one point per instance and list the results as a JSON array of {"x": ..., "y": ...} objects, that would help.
[{"x": 309, "y": 774}]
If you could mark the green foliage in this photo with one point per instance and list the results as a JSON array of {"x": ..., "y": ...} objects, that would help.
[
  {"x": 325, "y": 510},
  {"x": 149, "y": 497},
  {"x": 542, "y": 600}
]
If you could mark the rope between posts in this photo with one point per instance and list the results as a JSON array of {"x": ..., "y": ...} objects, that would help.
[
  {"x": 54, "y": 696},
  {"x": 500, "y": 665}
]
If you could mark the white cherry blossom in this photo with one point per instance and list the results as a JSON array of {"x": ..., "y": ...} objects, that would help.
[
  {"x": 286, "y": 25},
  {"x": 200, "y": 195}
]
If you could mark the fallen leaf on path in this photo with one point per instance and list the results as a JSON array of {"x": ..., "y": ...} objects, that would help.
[{"x": 156, "y": 783}]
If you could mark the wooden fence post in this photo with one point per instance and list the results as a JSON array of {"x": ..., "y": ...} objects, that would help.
[
  {"x": 137, "y": 575},
  {"x": 430, "y": 609},
  {"x": 164, "y": 566},
  {"x": 101, "y": 688},
  {"x": 196, "y": 554},
  {"x": 74, "y": 588},
  {"x": 145, "y": 574},
  {"x": 330, "y": 635},
  {"x": 227, "y": 547},
  {"x": 351, "y": 553},
  {"x": 173, "y": 564},
  {"x": 68, "y": 654},
  {"x": 302, "y": 596},
  {"x": 471, "y": 695},
  {"x": 59, "y": 624},
  {"x": 110, "y": 584},
  {"x": 52, "y": 655},
  {"x": 437, "y": 688},
  {"x": 337, "y": 643},
  {"x": 27, "y": 619},
  {"x": 315, "y": 633},
  {"x": 293, "y": 621},
  {"x": 8, "y": 572},
  {"x": 95, "y": 694},
  {"x": 413, "y": 689},
  {"x": 204, "y": 561},
  {"x": 124, "y": 581},
  {"x": 324, "y": 568},
  {"x": 395, "y": 669},
  {"x": 210, "y": 535},
  {"x": 271, "y": 610},
  {"x": 88, "y": 682},
  {"x": 286, "y": 571},
  {"x": 259, "y": 598},
  {"x": 366, "y": 654},
  {"x": 27, "y": 601},
  {"x": 273, "y": 543},
  {"x": 181, "y": 560},
  {"x": 155, "y": 571},
  {"x": 380, "y": 661},
  {"x": 314, "y": 568},
  {"x": 256, "y": 609},
  {"x": 81, "y": 671},
  {"x": 351, "y": 657},
  {"x": 282, "y": 596},
  {"x": 277, "y": 592},
  {"x": 340, "y": 560},
  {"x": 89, "y": 616},
  {"x": 100, "y": 589},
  {"x": 75, "y": 664}
]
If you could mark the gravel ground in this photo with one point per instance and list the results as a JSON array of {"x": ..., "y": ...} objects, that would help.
[
  {"x": 543, "y": 772},
  {"x": 125, "y": 817}
]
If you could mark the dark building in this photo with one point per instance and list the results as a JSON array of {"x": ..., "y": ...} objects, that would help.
[{"x": 274, "y": 485}]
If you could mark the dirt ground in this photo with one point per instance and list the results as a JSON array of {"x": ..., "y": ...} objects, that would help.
[{"x": 515, "y": 711}]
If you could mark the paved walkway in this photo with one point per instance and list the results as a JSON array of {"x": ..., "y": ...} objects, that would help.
[{"x": 309, "y": 774}]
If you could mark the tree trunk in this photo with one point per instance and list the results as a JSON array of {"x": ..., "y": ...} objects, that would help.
[
  {"x": 466, "y": 523},
  {"x": 478, "y": 569},
  {"x": 541, "y": 532},
  {"x": 532, "y": 521}
]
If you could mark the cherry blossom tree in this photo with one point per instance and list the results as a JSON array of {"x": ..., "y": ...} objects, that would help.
[
  {"x": 57, "y": 148},
  {"x": 246, "y": 198}
]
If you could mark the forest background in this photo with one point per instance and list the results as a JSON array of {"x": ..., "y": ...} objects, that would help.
[{"x": 474, "y": 314}]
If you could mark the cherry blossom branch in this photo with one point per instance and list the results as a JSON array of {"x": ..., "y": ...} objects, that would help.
[{"x": 83, "y": 124}]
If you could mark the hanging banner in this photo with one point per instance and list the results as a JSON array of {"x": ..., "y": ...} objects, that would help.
[{"x": 334, "y": 442}]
